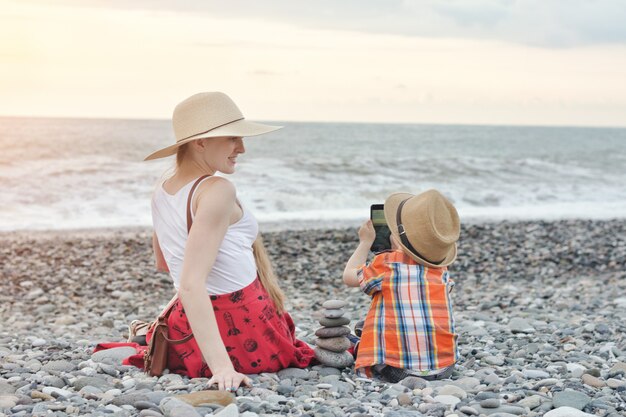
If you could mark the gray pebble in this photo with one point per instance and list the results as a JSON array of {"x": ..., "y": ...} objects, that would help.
[
  {"x": 172, "y": 407},
  {"x": 327, "y": 322},
  {"x": 519, "y": 325},
  {"x": 296, "y": 373},
  {"x": 230, "y": 410},
  {"x": 570, "y": 398},
  {"x": 114, "y": 355},
  {"x": 490, "y": 403},
  {"x": 333, "y": 313},
  {"x": 535, "y": 374},
  {"x": 334, "y": 359},
  {"x": 59, "y": 366},
  {"x": 332, "y": 331},
  {"x": 334, "y": 344},
  {"x": 334, "y": 304}
]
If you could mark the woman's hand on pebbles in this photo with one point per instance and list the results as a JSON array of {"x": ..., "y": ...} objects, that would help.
[
  {"x": 367, "y": 234},
  {"x": 229, "y": 380}
]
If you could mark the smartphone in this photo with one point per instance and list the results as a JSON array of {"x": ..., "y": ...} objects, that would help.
[{"x": 381, "y": 242}]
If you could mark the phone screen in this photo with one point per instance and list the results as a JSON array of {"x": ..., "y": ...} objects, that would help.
[{"x": 381, "y": 242}]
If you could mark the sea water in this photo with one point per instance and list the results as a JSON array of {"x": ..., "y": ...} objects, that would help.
[{"x": 89, "y": 173}]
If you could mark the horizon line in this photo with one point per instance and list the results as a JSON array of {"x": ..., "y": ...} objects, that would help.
[{"x": 478, "y": 124}]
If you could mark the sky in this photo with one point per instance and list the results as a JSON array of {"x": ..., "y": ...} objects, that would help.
[{"x": 524, "y": 62}]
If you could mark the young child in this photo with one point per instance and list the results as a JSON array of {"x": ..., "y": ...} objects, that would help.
[{"x": 409, "y": 328}]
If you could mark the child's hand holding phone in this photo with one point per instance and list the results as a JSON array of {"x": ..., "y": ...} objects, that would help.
[
  {"x": 373, "y": 236},
  {"x": 381, "y": 241},
  {"x": 367, "y": 234}
]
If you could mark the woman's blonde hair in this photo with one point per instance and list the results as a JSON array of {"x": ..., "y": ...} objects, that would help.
[
  {"x": 266, "y": 274},
  {"x": 263, "y": 264}
]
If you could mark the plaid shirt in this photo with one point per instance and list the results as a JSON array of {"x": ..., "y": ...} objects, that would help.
[{"x": 409, "y": 323}]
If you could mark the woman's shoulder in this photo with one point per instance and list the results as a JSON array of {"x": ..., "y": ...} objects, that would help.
[{"x": 216, "y": 188}]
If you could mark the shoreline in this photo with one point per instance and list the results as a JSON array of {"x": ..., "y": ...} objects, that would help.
[{"x": 280, "y": 227}]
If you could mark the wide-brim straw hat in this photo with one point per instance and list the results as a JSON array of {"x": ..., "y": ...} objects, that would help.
[
  {"x": 209, "y": 115},
  {"x": 426, "y": 225}
]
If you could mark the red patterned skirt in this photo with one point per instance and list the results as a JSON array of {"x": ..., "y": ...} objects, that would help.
[{"x": 257, "y": 337}]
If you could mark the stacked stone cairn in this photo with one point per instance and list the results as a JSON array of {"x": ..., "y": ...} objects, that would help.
[{"x": 332, "y": 343}]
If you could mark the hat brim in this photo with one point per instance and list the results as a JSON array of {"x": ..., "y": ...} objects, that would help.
[
  {"x": 391, "y": 209},
  {"x": 239, "y": 128}
]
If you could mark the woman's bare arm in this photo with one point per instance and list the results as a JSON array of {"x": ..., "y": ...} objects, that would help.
[{"x": 215, "y": 202}]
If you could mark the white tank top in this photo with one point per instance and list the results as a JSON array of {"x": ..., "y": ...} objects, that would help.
[{"x": 234, "y": 267}]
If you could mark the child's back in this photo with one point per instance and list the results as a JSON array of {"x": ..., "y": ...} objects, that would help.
[
  {"x": 409, "y": 328},
  {"x": 409, "y": 324}
]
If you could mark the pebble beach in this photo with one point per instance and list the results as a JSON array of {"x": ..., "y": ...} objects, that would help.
[{"x": 540, "y": 310}]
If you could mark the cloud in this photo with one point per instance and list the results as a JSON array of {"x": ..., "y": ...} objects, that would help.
[{"x": 552, "y": 24}]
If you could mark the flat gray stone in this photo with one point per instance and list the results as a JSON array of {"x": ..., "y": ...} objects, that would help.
[
  {"x": 331, "y": 304},
  {"x": 452, "y": 390},
  {"x": 332, "y": 331},
  {"x": 59, "y": 366},
  {"x": 93, "y": 381},
  {"x": 520, "y": 325},
  {"x": 618, "y": 369},
  {"x": 290, "y": 373},
  {"x": 276, "y": 399},
  {"x": 325, "y": 371},
  {"x": 6, "y": 388},
  {"x": 53, "y": 381},
  {"x": 490, "y": 403},
  {"x": 341, "y": 321},
  {"x": 531, "y": 402},
  {"x": 8, "y": 401},
  {"x": 577, "y": 370},
  {"x": 502, "y": 409},
  {"x": 535, "y": 374},
  {"x": 230, "y": 410},
  {"x": 334, "y": 359},
  {"x": 450, "y": 400},
  {"x": 567, "y": 412},
  {"x": 414, "y": 382},
  {"x": 548, "y": 382},
  {"x": 333, "y": 313},
  {"x": 149, "y": 413},
  {"x": 570, "y": 398},
  {"x": 173, "y": 407},
  {"x": 494, "y": 360},
  {"x": 88, "y": 389},
  {"x": 145, "y": 405},
  {"x": 467, "y": 382},
  {"x": 114, "y": 355},
  {"x": 615, "y": 383},
  {"x": 335, "y": 344},
  {"x": 468, "y": 410},
  {"x": 57, "y": 391},
  {"x": 129, "y": 399}
]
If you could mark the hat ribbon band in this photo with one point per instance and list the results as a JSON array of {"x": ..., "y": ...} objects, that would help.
[
  {"x": 207, "y": 131},
  {"x": 405, "y": 240}
]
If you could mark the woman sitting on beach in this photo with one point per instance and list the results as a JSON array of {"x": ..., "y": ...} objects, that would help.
[{"x": 228, "y": 295}]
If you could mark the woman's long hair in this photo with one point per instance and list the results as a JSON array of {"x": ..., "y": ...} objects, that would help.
[
  {"x": 266, "y": 274},
  {"x": 263, "y": 264}
]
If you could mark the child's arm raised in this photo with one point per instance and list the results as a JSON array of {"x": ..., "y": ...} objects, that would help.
[{"x": 359, "y": 257}]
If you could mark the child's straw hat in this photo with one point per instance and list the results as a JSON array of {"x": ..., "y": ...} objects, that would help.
[
  {"x": 426, "y": 225},
  {"x": 208, "y": 115}
]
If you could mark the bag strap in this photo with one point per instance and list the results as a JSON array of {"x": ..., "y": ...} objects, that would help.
[{"x": 193, "y": 188}]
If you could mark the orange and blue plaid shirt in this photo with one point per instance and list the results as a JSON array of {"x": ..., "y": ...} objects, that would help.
[{"x": 409, "y": 324}]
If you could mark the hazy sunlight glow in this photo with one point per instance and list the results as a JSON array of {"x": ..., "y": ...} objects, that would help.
[{"x": 63, "y": 61}]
